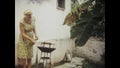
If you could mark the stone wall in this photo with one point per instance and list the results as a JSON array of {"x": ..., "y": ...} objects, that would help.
[{"x": 93, "y": 50}]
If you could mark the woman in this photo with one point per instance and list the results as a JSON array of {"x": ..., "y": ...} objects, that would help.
[{"x": 26, "y": 40}]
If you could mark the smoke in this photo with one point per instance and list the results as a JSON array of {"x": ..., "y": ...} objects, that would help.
[{"x": 37, "y": 1}]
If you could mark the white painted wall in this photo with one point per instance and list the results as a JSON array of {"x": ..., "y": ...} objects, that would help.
[{"x": 49, "y": 19}]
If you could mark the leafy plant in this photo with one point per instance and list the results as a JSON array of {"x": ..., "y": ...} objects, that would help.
[{"x": 87, "y": 19}]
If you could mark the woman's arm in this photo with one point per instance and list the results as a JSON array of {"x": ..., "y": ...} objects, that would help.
[
  {"x": 24, "y": 35},
  {"x": 34, "y": 30}
]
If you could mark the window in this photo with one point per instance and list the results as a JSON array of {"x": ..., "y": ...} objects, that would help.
[{"x": 61, "y": 4}]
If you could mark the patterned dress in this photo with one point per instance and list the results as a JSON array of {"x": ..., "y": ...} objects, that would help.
[{"x": 25, "y": 47}]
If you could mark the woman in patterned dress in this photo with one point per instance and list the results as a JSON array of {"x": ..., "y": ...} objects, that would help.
[{"x": 26, "y": 40}]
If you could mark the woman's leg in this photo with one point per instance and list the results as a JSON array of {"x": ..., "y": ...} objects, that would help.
[
  {"x": 29, "y": 63},
  {"x": 24, "y": 63},
  {"x": 20, "y": 63},
  {"x": 52, "y": 65}
]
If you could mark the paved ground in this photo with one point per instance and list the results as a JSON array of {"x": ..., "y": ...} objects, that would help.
[{"x": 75, "y": 63}]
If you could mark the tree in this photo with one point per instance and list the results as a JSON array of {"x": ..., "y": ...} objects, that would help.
[{"x": 86, "y": 20}]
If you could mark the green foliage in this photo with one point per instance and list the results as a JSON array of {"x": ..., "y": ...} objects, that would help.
[{"x": 89, "y": 20}]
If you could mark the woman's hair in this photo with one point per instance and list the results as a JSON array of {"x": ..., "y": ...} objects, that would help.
[{"x": 27, "y": 12}]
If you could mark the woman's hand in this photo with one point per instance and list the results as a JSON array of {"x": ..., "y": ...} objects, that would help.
[
  {"x": 33, "y": 41},
  {"x": 36, "y": 37}
]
